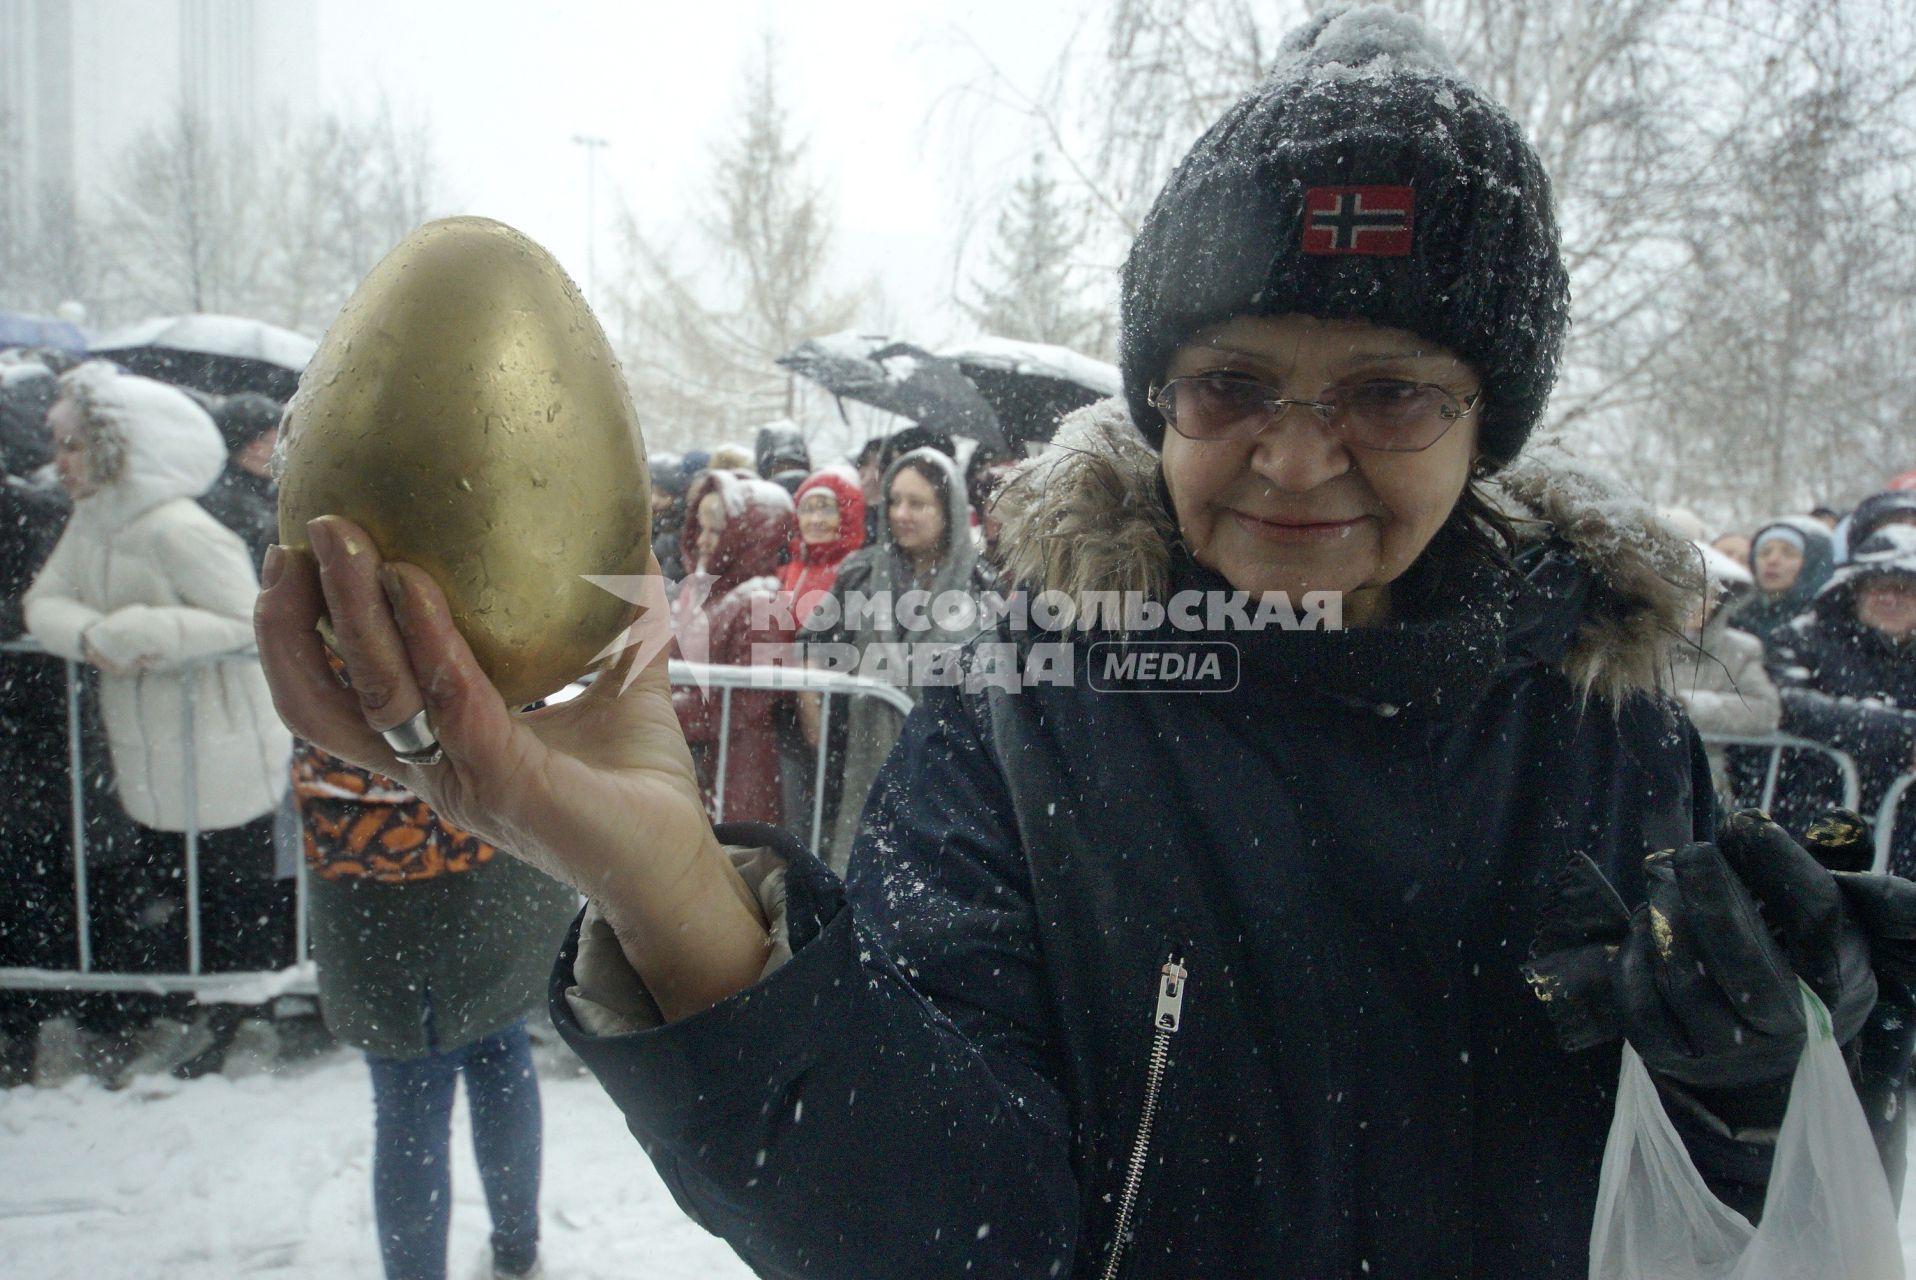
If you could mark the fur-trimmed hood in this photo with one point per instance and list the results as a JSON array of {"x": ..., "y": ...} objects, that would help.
[{"x": 1087, "y": 516}]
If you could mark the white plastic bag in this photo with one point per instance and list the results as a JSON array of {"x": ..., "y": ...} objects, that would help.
[{"x": 1827, "y": 1213}]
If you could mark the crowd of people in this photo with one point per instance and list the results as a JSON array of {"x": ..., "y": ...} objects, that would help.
[
  {"x": 1810, "y": 629},
  {"x": 765, "y": 560}
]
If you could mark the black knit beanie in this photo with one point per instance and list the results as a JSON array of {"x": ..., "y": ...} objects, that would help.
[
  {"x": 244, "y": 417},
  {"x": 1363, "y": 180}
]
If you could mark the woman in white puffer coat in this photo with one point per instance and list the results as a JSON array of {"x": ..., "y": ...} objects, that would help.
[{"x": 147, "y": 587}]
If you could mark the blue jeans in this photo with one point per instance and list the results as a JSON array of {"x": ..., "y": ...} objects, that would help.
[{"x": 412, "y": 1135}]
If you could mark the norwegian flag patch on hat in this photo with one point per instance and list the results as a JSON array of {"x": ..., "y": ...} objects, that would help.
[{"x": 1372, "y": 221}]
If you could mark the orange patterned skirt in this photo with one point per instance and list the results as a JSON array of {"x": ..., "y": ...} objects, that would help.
[{"x": 362, "y": 825}]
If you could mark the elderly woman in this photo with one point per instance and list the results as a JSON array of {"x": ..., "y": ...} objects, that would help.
[{"x": 1175, "y": 979}]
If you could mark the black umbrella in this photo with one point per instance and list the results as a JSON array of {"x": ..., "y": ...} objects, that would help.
[
  {"x": 217, "y": 354},
  {"x": 1030, "y": 385},
  {"x": 898, "y": 378}
]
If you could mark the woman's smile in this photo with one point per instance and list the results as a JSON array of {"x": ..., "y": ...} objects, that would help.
[{"x": 1292, "y": 529}]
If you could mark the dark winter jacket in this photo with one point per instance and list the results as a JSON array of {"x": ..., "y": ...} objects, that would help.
[
  {"x": 36, "y": 831},
  {"x": 30, "y": 522},
  {"x": 1760, "y": 613},
  {"x": 714, "y": 620},
  {"x": 1851, "y": 686},
  {"x": 248, "y": 505},
  {"x": 952, "y": 1075}
]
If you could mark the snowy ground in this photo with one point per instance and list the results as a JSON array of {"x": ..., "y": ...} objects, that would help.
[{"x": 269, "y": 1176}]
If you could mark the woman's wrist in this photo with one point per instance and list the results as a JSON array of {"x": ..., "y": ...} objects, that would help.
[{"x": 693, "y": 933}]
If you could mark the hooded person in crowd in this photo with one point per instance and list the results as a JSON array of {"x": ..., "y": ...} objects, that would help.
[
  {"x": 831, "y": 526},
  {"x": 731, "y": 457},
  {"x": 1847, "y": 669},
  {"x": 1790, "y": 558},
  {"x": 737, "y": 528},
  {"x": 1222, "y": 978},
  {"x": 154, "y": 593},
  {"x": 781, "y": 456},
  {"x": 244, "y": 498},
  {"x": 1720, "y": 678},
  {"x": 927, "y": 548}
]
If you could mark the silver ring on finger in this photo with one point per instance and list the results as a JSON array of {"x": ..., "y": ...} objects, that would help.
[{"x": 413, "y": 741}]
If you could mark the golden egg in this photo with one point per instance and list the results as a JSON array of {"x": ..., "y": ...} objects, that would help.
[{"x": 466, "y": 410}]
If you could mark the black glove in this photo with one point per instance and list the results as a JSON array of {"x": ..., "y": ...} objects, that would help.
[{"x": 1701, "y": 978}]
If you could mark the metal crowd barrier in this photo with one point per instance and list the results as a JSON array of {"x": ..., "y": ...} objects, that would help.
[
  {"x": 259, "y": 987},
  {"x": 300, "y": 979},
  {"x": 1778, "y": 743},
  {"x": 726, "y": 679}
]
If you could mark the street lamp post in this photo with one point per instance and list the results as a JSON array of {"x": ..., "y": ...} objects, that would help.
[{"x": 593, "y": 145}]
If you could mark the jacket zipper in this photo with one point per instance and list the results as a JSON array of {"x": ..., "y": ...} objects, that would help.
[{"x": 1169, "y": 1012}]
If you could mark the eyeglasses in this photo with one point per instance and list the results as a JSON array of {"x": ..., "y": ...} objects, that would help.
[{"x": 1401, "y": 417}]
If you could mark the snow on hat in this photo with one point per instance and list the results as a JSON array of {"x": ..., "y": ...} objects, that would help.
[
  {"x": 1893, "y": 506},
  {"x": 1365, "y": 180},
  {"x": 1890, "y": 552}
]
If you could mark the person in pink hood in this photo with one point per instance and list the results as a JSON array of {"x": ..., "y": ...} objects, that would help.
[{"x": 737, "y": 528}]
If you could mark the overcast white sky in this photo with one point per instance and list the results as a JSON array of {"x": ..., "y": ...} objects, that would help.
[{"x": 505, "y": 86}]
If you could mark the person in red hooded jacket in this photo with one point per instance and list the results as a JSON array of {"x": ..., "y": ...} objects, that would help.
[
  {"x": 737, "y": 528},
  {"x": 831, "y": 525}
]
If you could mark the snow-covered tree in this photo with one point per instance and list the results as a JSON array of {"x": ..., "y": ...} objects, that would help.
[
  {"x": 1033, "y": 292},
  {"x": 701, "y": 326},
  {"x": 184, "y": 219},
  {"x": 1672, "y": 131},
  {"x": 280, "y": 224},
  {"x": 49, "y": 252}
]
